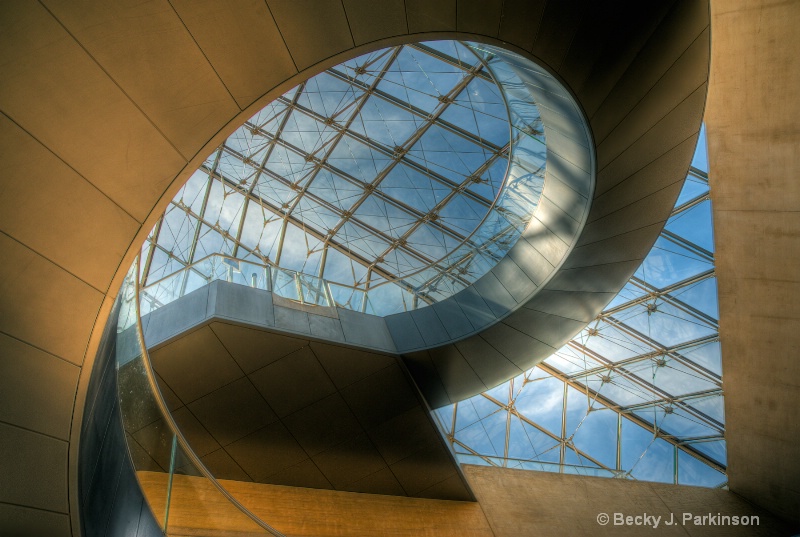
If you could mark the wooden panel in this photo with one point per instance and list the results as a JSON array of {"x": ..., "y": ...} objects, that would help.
[{"x": 198, "y": 507}]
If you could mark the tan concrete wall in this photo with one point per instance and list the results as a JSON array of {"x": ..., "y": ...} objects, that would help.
[
  {"x": 754, "y": 155},
  {"x": 511, "y": 503}
]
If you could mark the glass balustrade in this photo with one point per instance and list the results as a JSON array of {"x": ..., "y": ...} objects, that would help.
[{"x": 182, "y": 494}]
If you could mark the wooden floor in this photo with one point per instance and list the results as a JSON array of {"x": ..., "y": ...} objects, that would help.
[{"x": 197, "y": 508}]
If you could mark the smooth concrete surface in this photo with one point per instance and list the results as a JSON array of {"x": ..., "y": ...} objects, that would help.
[
  {"x": 512, "y": 503},
  {"x": 754, "y": 154},
  {"x": 521, "y": 503},
  {"x": 91, "y": 103}
]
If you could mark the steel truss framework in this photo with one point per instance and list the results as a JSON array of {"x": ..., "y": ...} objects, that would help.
[
  {"x": 372, "y": 173},
  {"x": 638, "y": 393}
]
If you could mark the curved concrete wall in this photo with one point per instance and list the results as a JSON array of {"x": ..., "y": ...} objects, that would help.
[{"x": 108, "y": 107}]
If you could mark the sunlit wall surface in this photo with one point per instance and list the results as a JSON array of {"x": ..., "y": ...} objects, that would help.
[{"x": 638, "y": 393}]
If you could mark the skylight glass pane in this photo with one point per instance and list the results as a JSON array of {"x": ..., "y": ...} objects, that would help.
[
  {"x": 398, "y": 160},
  {"x": 700, "y": 159},
  {"x": 694, "y": 225},
  {"x": 649, "y": 367}
]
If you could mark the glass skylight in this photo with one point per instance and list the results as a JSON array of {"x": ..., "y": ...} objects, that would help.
[
  {"x": 387, "y": 176},
  {"x": 638, "y": 393}
]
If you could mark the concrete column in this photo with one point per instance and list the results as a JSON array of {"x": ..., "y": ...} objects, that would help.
[{"x": 754, "y": 156}]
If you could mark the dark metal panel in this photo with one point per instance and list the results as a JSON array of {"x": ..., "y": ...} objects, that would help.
[
  {"x": 520, "y": 22},
  {"x": 346, "y": 366},
  {"x": 458, "y": 378},
  {"x": 280, "y": 383},
  {"x": 366, "y": 330},
  {"x": 195, "y": 364},
  {"x": 303, "y": 474},
  {"x": 453, "y": 318},
  {"x": 188, "y": 311},
  {"x": 423, "y": 469},
  {"x": 544, "y": 241},
  {"x": 633, "y": 23},
  {"x": 381, "y": 482},
  {"x": 532, "y": 263},
  {"x": 403, "y": 435},
  {"x": 679, "y": 28},
  {"x": 380, "y": 396},
  {"x": 240, "y": 303},
  {"x": 556, "y": 220},
  {"x": 689, "y": 72},
  {"x": 559, "y": 24},
  {"x": 404, "y": 332},
  {"x": 422, "y": 369},
  {"x": 253, "y": 349},
  {"x": 128, "y": 502},
  {"x": 291, "y": 320},
  {"x": 576, "y": 178},
  {"x": 596, "y": 279},
  {"x": 644, "y": 212},
  {"x": 577, "y": 305},
  {"x": 232, "y": 412},
  {"x": 474, "y": 307},
  {"x": 424, "y": 15},
  {"x": 479, "y": 16},
  {"x": 514, "y": 279},
  {"x": 521, "y": 349},
  {"x": 651, "y": 178},
  {"x": 194, "y": 431},
  {"x": 349, "y": 461},
  {"x": 111, "y": 502},
  {"x": 487, "y": 362},
  {"x": 323, "y": 425},
  {"x": 267, "y": 451},
  {"x": 98, "y": 413},
  {"x": 430, "y": 327},
  {"x": 222, "y": 466},
  {"x": 623, "y": 247}
]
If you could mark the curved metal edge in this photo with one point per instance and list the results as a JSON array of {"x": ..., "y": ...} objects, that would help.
[
  {"x": 167, "y": 415},
  {"x": 532, "y": 262}
]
